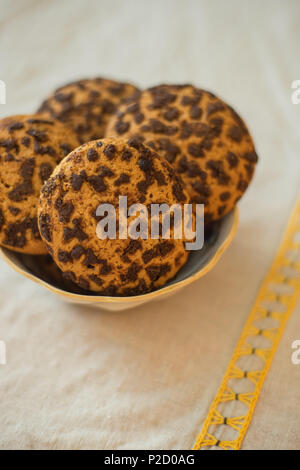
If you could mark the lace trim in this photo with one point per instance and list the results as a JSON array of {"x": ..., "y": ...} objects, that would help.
[{"x": 232, "y": 409}]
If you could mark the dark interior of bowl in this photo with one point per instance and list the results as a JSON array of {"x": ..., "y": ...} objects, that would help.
[{"x": 44, "y": 267}]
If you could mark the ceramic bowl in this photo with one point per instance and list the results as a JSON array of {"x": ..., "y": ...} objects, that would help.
[{"x": 42, "y": 270}]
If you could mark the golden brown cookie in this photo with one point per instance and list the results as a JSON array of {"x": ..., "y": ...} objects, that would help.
[
  {"x": 200, "y": 135},
  {"x": 96, "y": 173},
  {"x": 30, "y": 148},
  {"x": 86, "y": 105}
]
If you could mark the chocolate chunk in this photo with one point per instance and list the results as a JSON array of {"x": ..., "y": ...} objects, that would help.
[
  {"x": 232, "y": 160},
  {"x": 46, "y": 150},
  {"x": 40, "y": 121},
  {"x": 195, "y": 112},
  {"x": 105, "y": 171},
  {"x": 10, "y": 144},
  {"x": 13, "y": 210},
  {"x": 216, "y": 125},
  {"x": 249, "y": 169},
  {"x": 196, "y": 150},
  {"x": 202, "y": 188},
  {"x": 105, "y": 268},
  {"x": 126, "y": 155},
  {"x": 15, "y": 235},
  {"x": 133, "y": 108},
  {"x": 123, "y": 178},
  {"x": 156, "y": 271},
  {"x": 158, "y": 127},
  {"x": 75, "y": 232},
  {"x": 15, "y": 126},
  {"x": 9, "y": 158},
  {"x": 145, "y": 164},
  {"x": 171, "y": 113},
  {"x": 190, "y": 100},
  {"x": 77, "y": 181},
  {"x": 26, "y": 141},
  {"x": 20, "y": 191},
  {"x": 96, "y": 279},
  {"x": 27, "y": 169},
  {"x": 77, "y": 252},
  {"x": 159, "y": 176},
  {"x": 139, "y": 117},
  {"x": 242, "y": 185},
  {"x": 187, "y": 130},
  {"x": 178, "y": 192},
  {"x": 110, "y": 151},
  {"x": 171, "y": 149},
  {"x": 69, "y": 276},
  {"x": 132, "y": 247},
  {"x": 66, "y": 149},
  {"x": 235, "y": 133},
  {"x": 83, "y": 283},
  {"x": 214, "y": 107},
  {"x": 45, "y": 171},
  {"x": 225, "y": 196},
  {"x": 161, "y": 249},
  {"x": 134, "y": 142},
  {"x": 92, "y": 155},
  {"x": 122, "y": 127},
  {"x": 217, "y": 171},
  {"x": 97, "y": 183},
  {"x": 39, "y": 136},
  {"x": 65, "y": 210},
  {"x": 251, "y": 157},
  {"x": 45, "y": 227},
  {"x": 161, "y": 98},
  {"x": 132, "y": 273},
  {"x": 64, "y": 256},
  {"x": 90, "y": 258}
]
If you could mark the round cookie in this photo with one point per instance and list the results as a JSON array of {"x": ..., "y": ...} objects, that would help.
[
  {"x": 200, "y": 135},
  {"x": 30, "y": 148},
  {"x": 86, "y": 105},
  {"x": 96, "y": 173}
]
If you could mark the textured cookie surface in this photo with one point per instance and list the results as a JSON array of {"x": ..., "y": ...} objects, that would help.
[
  {"x": 96, "y": 173},
  {"x": 87, "y": 105},
  {"x": 30, "y": 148},
  {"x": 201, "y": 136}
]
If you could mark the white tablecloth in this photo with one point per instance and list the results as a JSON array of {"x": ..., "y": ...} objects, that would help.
[{"x": 77, "y": 378}]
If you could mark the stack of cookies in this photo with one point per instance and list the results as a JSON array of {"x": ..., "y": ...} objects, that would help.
[{"x": 93, "y": 141}]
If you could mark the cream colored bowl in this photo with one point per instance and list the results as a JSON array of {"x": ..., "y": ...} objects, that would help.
[{"x": 41, "y": 269}]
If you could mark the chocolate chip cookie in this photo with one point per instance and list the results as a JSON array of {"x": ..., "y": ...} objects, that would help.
[
  {"x": 204, "y": 139},
  {"x": 86, "y": 105},
  {"x": 30, "y": 148},
  {"x": 101, "y": 172}
]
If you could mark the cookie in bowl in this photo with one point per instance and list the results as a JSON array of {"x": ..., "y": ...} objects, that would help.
[
  {"x": 86, "y": 105},
  {"x": 102, "y": 172},
  {"x": 30, "y": 148},
  {"x": 200, "y": 135}
]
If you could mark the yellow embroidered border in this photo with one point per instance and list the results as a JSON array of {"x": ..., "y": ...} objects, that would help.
[{"x": 284, "y": 272}]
